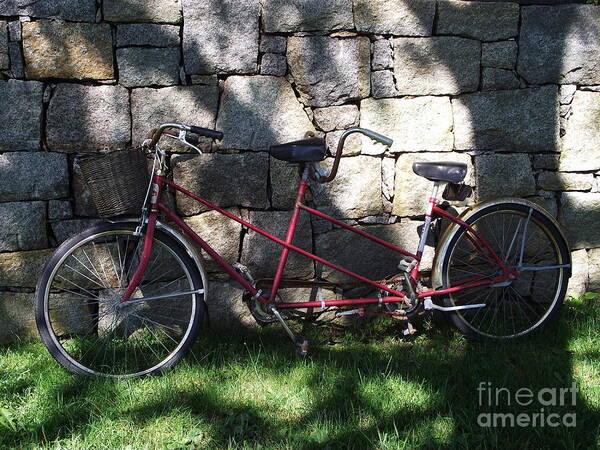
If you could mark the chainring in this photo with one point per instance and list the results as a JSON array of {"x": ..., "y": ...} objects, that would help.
[
  {"x": 261, "y": 316},
  {"x": 399, "y": 283}
]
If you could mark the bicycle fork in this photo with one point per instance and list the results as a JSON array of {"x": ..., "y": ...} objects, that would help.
[{"x": 144, "y": 260}]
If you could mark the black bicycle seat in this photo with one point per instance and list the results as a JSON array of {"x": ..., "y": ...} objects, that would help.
[
  {"x": 454, "y": 172},
  {"x": 305, "y": 150}
]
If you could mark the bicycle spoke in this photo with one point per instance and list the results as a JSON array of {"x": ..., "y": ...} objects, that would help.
[
  {"x": 98, "y": 333},
  {"x": 518, "y": 307}
]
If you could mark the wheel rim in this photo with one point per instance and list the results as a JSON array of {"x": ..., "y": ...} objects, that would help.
[
  {"x": 524, "y": 304},
  {"x": 99, "y": 335}
]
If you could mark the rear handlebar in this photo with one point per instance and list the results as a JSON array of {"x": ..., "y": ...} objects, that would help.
[{"x": 338, "y": 154}]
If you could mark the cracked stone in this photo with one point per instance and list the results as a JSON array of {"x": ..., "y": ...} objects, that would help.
[
  {"x": 382, "y": 84},
  {"x": 383, "y": 55},
  {"x": 259, "y": 111},
  {"x": 336, "y": 117},
  {"x": 344, "y": 77},
  {"x": 580, "y": 143},
  {"x": 566, "y": 93}
]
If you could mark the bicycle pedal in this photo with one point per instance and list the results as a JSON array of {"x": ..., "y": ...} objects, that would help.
[
  {"x": 302, "y": 345},
  {"x": 410, "y": 330},
  {"x": 407, "y": 264}
]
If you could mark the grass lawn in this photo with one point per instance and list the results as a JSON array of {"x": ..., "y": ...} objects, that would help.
[{"x": 371, "y": 389}]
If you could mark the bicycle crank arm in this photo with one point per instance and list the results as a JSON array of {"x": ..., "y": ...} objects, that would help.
[
  {"x": 429, "y": 305},
  {"x": 359, "y": 311},
  {"x": 300, "y": 342}
]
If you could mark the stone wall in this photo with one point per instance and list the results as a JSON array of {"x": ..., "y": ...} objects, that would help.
[{"x": 512, "y": 89}]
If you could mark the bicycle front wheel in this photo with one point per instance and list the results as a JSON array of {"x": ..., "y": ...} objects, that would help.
[
  {"x": 528, "y": 240},
  {"x": 85, "y": 326}
]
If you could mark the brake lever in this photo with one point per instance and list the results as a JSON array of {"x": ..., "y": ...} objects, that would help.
[{"x": 182, "y": 139}]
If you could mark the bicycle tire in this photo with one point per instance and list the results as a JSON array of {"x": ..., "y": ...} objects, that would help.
[
  {"x": 526, "y": 294},
  {"x": 54, "y": 338}
]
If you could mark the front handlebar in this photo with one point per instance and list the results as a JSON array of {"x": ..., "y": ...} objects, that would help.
[
  {"x": 338, "y": 154},
  {"x": 156, "y": 133}
]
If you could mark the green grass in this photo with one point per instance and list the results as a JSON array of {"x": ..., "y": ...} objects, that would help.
[{"x": 372, "y": 389}]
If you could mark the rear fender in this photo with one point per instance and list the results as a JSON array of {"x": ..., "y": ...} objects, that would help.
[{"x": 453, "y": 228}]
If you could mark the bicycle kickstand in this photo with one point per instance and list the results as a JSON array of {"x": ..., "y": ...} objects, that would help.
[{"x": 300, "y": 342}]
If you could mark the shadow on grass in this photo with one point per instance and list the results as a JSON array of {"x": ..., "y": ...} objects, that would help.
[{"x": 372, "y": 390}]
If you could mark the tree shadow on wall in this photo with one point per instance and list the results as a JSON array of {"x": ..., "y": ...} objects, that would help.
[
  {"x": 500, "y": 365},
  {"x": 494, "y": 146}
]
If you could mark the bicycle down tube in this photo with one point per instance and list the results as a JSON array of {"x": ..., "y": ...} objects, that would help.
[{"x": 393, "y": 295}]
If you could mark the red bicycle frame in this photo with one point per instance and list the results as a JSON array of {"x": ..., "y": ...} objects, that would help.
[{"x": 159, "y": 181}]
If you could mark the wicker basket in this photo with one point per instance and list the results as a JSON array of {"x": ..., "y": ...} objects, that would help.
[{"x": 117, "y": 181}]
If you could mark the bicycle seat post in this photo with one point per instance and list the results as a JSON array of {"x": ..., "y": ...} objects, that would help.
[{"x": 431, "y": 202}]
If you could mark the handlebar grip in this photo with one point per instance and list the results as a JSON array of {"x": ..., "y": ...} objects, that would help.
[
  {"x": 213, "y": 134},
  {"x": 378, "y": 137},
  {"x": 192, "y": 139}
]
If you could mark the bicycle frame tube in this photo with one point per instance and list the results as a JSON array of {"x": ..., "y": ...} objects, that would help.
[
  {"x": 260, "y": 231},
  {"x": 393, "y": 295}
]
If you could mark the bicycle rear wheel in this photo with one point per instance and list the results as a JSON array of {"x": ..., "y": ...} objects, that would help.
[
  {"x": 528, "y": 240},
  {"x": 85, "y": 326}
]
